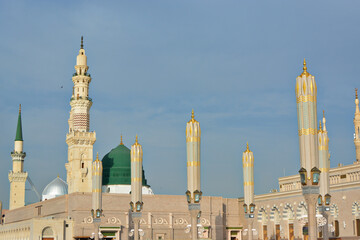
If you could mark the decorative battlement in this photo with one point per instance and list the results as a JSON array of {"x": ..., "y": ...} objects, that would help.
[
  {"x": 18, "y": 156},
  {"x": 17, "y": 176},
  {"x": 338, "y": 176},
  {"x": 80, "y": 102},
  {"x": 82, "y": 138}
]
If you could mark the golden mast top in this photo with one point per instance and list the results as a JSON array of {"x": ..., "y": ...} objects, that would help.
[
  {"x": 306, "y": 90},
  {"x": 136, "y": 151},
  {"x": 248, "y": 157},
  {"x": 247, "y": 147},
  {"x": 193, "y": 131}
]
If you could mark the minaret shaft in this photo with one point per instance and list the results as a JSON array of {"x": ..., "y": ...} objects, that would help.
[
  {"x": 136, "y": 175},
  {"x": 324, "y": 160},
  {"x": 79, "y": 139},
  {"x": 97, "y": 171},
  {"x": 193, "y": 140},
  {"x": 306, "y": 93},
  {"x": 248, "y": 176}
]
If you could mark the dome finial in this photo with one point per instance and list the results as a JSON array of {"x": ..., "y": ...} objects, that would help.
[
  {"x": 136, "y": 139},
  {"x": 82, "y": 43},
  {"x": 320, "y": 127},
  {"x": 58, "y": 176},
  {"x": 97, "y": 156},
  {"x": 19, "y": 108},
  {"x": 192, "y": 114},
  {"x": 121, "y": 140}
]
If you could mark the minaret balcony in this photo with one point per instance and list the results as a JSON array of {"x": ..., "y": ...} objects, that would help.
[
  {"x": 86, "y": 74},
  {"x": 18, "y": 155},
  {"x": 81, "y": 98}
]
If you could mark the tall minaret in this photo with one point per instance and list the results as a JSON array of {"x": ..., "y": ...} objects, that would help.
[
  {"x": 17, "y": 176},
  {"x": 306, "y": 92},
  {"x": 324, "y": 159},
  {"x": 79, "y": 139},
  {"x": 357, "y": 127}
]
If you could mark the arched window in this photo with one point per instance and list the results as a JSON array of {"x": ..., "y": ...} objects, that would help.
[{"x": 47, "y": 234}]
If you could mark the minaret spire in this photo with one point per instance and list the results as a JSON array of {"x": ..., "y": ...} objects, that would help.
[
  {"x": 324, "y": 121},
  {"x": 19, "y": 136},
  {"x": 356, "y": 101},
  {"x": 82, "y": 43}
]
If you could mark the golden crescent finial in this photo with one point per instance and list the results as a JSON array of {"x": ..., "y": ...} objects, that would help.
[
  {"x": 97, "y": 156},
  {"x": 192, "y": 114},
  {"x": 58, "y": 176},
  {"x": 320, "y": 127},
  {"x": 121, "y": 140},
  {"x": 356, "y": 94},
  {"x": 136, "y": 139}
]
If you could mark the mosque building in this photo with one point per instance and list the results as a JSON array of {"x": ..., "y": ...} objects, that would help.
[{"x": 64, "y": 211}]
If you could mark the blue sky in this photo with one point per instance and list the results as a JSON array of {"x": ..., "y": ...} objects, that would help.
[{"x": 233, "y": 62}]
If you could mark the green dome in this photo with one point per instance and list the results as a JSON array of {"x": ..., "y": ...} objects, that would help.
[{"x": 117, "y": 167}]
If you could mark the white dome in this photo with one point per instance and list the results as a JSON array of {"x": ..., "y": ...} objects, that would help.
[{"x": 55, "y": 188}]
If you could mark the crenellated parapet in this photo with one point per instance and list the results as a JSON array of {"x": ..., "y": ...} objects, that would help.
[{"x": 81, "y": 138}]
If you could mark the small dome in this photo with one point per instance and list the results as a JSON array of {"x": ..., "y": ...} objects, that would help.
[
  {"x": 117, "y": 167},
  {"x": 55, "y": 188}
]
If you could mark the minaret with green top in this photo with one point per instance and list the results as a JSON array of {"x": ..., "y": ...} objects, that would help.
[{"x": 17, "y": 176}]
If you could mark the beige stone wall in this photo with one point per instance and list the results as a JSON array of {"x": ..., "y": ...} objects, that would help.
[
  {"x": 166, "y": 215},
  {"x": 276, "y": 208}
]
